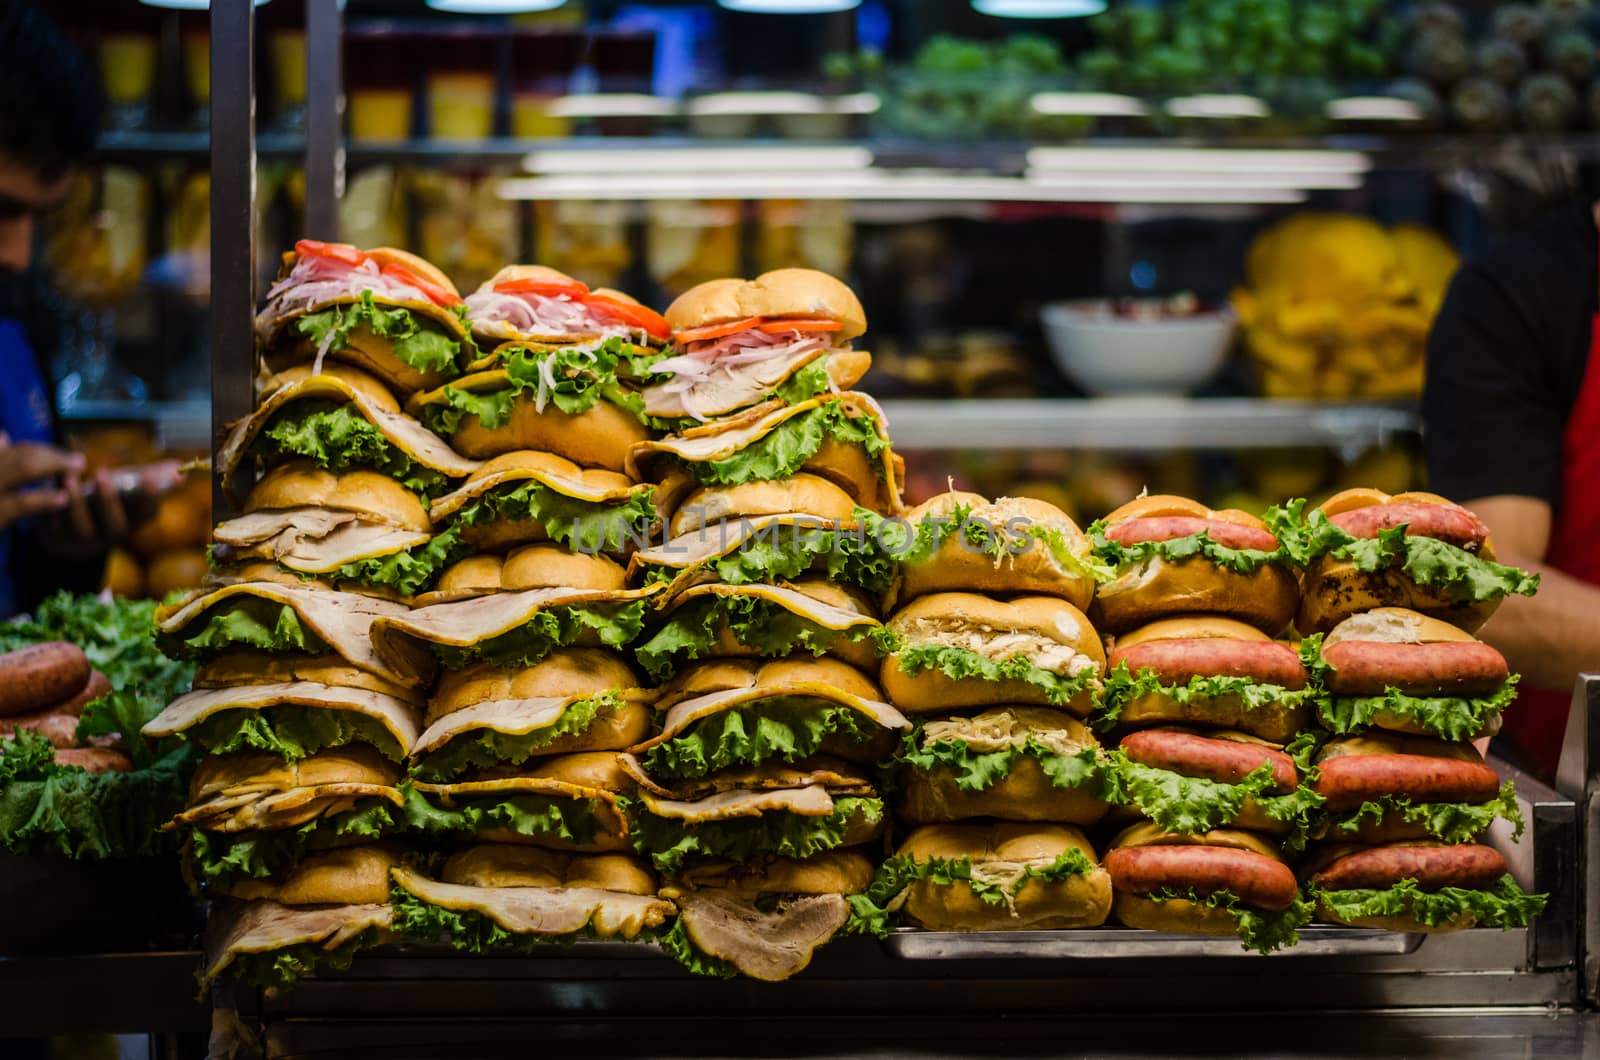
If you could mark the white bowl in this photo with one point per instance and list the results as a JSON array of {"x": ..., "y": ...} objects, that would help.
[{"x": 1106, "y": 354}]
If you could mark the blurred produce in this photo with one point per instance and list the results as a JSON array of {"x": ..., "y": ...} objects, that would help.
[
  {"x": 467, "y": 230},
  {"x": 816, "y": 234},
  {"x": 124, "y": 575},
  {"x": 166, "y": 552},
  {"x": 691, "y": 242},
  {"x": 1336, "y": 306},
  {"x": 1285, "y": 51},
  {"x": 1522, "y": 67},
  {"x": 174, "y": 570},
  {"x": 586, "y": 240},
  {"x": 373, "y": 210},
  {"x": 97, "y": 243},
  {"x": 968, "y": 364},
  {"x": 955, "y": 87}
]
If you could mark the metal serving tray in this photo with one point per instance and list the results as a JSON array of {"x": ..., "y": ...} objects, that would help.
[{"x": 1102, "y": 943}]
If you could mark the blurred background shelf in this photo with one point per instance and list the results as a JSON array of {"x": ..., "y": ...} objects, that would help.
[
  {"x": 178, "y": 424},
  {"x": 1142, "y": 424}
]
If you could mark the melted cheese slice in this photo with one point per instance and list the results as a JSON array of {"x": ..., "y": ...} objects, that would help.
[
  {"x": 192, "y": 708},
  {"x": 548, "y": 911}
]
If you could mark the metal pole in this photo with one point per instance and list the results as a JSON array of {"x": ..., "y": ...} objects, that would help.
[
  {"x": 324, "y": 119},
  {"x": 233, "y": 211}
]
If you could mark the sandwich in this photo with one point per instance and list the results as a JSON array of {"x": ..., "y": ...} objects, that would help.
[
  {"x": 841, "y": 437},
  {"x": 1170, "y": 556},
  {"x": 811, "y": 614},
  {"x": 359, "y": 530},
  {"x": 293, "y": 619},
  {"x": 513, "y": 629},
  {"x": 498, "y": 897},
  {"x": 989, "y": 876},
  {"x": 766, "y": 531},
  {"x": 1392, "y": 668},
  {"x": 739, "y": 813},
  {"x": 763, "y": 918},
  {"x": 1010, "y": 763},
  {"x": 1364, "y": 549},
  {"x": 315, "y": 917},
  {"x": 1190, "y": 780},
  {"x": 527, "y": 496},
  {"x": 1416, "y": 886},
  {"x": 254, "y": 815},
  {"x": 574, "y": 699},
  {"x": 1221, "y": 882},
  {"x": 562, "y": 375},
  {"x": 387, "y": 312},
  {"x": 290, "y": 706},
  {"x": 960, "y": 542},
  {"x": 562, "y": 802},
  {"x": 783, "y": 336},
  {"x": 340, "y": 419},
  {"x": 745, "y": 712},
  {"x": 543, "y": 565},
  {"x": 1384, "y": 787},
  {"x": 958, "y": 650},
  {"x": 543, "y": 307},
  {"x": 1207, "y": 670}
]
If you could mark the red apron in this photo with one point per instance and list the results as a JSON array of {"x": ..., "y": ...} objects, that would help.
[{"x": 1538, "y": 720}]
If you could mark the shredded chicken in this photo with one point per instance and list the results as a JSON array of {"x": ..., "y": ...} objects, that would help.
[
  {"x": 992, "y": 643},
  {"x": 996, "y": 730}
]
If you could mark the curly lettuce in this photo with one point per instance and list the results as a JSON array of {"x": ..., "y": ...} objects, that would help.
[
  {"x": 783, "y": 728},
  {"x": 1123, "y": 687},
  {"x": 243, "y": 622},
  {"x": 616, "y": 625},
  {"x": 1260, "y": 930},
  {"x": 877, "y": 911},
  {"x": 292, "y": 732},
  {"x": 690, "y": 632},
  {"x": 852, "y": 555},
  {"x": 1448, "y": 822},
  {"x": 219, "y": 858},
  {"x": 409, "y": 571},
  {"x": 981, "y": 770},
  {"x": 53, "y": 809},
  {"x": 522, "y": 813},
  {"x": 960, "y": 663},
  {"x": 783, "y": 450},
  {"x": 1191, "y": 805},
  {"x": 583, "y": 526},
  {"x": 669, "y": 842},
  {"x": 338, "y": 438},
  {"x": 571, "y": 378},
  {"x": 1118, "y": 557},
  {"x": 484, "y": 748},
  {"x": 1505, "y": 905},
  {"x": 1449, "y": 717},
  {"x": 418, "y": 342}
]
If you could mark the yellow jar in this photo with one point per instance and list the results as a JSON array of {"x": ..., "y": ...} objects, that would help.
[
  {"x": 380, "y": 114},
  {"x": 461, "y": 105},
  {"x": 127, "y": 66}
]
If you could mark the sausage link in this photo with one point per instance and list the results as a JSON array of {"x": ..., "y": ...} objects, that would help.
[
  {"x": 1175, "y": 661},
  {"x": 1366, "y": 668},
  {"x": 1259, "y": 881},
  {"x": 1228, "y": 761},
  {"x": 41, "y": 674},
  {"x": 1170, "y": 527},
  {"x": 98, "y": 686},
  {"x": 60, "y": 729},
  {"x": 1469, "y": 865},
  {"x": 1447, "y": 522},
  {"x": 1349, "y": 780},
  {"x": 94, "y": 759}
]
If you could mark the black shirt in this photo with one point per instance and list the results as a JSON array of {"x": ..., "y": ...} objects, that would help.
[{"x": 1506, "y": 360}]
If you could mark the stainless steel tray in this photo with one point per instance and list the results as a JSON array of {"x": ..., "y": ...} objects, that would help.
[{"x": 1110, "y": 943}]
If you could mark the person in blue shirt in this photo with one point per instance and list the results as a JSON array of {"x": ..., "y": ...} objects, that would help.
[{"x": 54, "y": 526}]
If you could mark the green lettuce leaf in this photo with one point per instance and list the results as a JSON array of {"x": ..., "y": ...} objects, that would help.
[
  {"x": 982, "y": 770},
  {"x": 338, "y": 438},
  {"x": 27, "y": 756},
  {"x": 1505, "y": 905},
  {"x": 282, "y": 968},
  {"x": 116, "y": 634},
  {"x": 418, "y": 342},
  {"x": 877, "y": 911},
  {"x": 959, "y": 663},
  {"x": 675, "y": 943},
  {"x": 292, "y": 732},
  {"x": 1462, "y": 576},
  {"x": 1119, "y": 558},
  {"x": 783, "y": 728},
  {"x": 1190, "y": 805},
  {"x": 484, "y": 748},
  {"x": 669, "y": 841},
  {"x": 1449, "y": 822},
  {"x": 122, "y": 713},
  {"x": 219, "y": 858},
  {"x": 1259, "y": 930},
  {"x": 581, "y": 378},
  {"x": 583, "y": 526},
  {"x": 523, "y": 813},
  {"x": 410, "y": 571},
  {"x": 1449, "y": 717},
  {"x": 914, "y": 546},
  {"x": 469, "y": 930},
  {"x": 782, "y": 451},
  {"x": 778, "y": 553},
  {"x": 77, "y": 814},
  {"x": 691, "y": 632},
  {"x": 243, "y": 622},
  {"x": 1122, "y": 687},
  {"x": 555, "y": 627}
]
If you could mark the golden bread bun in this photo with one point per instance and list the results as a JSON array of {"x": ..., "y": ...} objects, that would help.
[
  {"x": 355, "y": 875},
  {"x": 564, "y": 672},
  {"x": 518, "y": 865},
  {"x": 829, "y": 872},
  {"x": 539, "y": 566},
  {"x": 999, "y": 850},
  {"x": 300, "y": 483},
  {"x": 538, "y": 273},
  {"x": 718, "y": 675},
  {"x": 803, "y": 493},
  {"x": 804, "y": 293},
  {"x": 597, "y": 437},
  {"x": 243, "y": 666}
]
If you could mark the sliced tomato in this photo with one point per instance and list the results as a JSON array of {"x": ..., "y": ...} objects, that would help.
[
  {"x": 717, "y": 331},
  {"x": 784, "y": 324},
  {"x": 549, "y": 288},
  {"x": 315, "y": 248},
  {"x": 637, "y": 316},
  {"x": 440, "y": 296}
]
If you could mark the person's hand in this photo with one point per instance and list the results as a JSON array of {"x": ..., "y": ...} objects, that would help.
[
  {"x": 25, "y": 463},
  {"x": 103, "y": 520}
]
